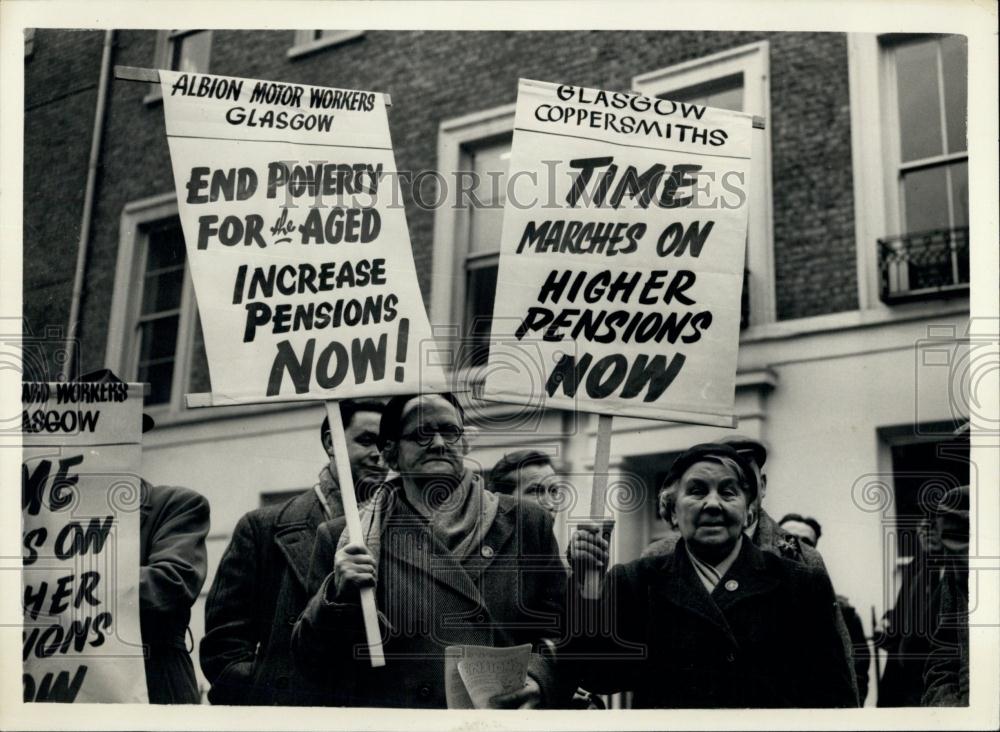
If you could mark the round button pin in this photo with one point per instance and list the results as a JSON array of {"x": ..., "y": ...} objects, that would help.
[
  {"x": 487, "y": 551},
  {"x": 732, "y": 585}
]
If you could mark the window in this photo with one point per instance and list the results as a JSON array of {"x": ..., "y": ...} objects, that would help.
[
  {"x": 927, "y": 186},
  {"x": 180, "y": 50},
  {"x": 309, "y": 41},
  {"x": 154, "y": 335},
  {"x": 488, "y": 163},
  {"x": 736, "y": 79},
  {"x": 475, "y": 150}
]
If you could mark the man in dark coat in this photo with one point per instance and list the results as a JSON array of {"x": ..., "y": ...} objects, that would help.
[
  {"x": 716, "y": 623},
  {"x": 946, "y": 673},
  {"x": 173, "y": 564},
  {"x": 455, "y": 564},
  {"x": 173, "y": 524},
  {"x": 260, "y": 587},
  {"x": 809, "y": 530}
]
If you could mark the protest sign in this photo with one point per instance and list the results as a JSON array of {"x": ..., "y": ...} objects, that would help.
[
  {"x": 622, "y": 255},
  {"x": 475, "y": 674},
  {"x": 299, "y": 255},
  {"x": 80, "y": 496}
]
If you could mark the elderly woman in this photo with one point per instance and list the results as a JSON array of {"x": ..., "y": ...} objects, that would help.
[{"x": 717, "y": 623}]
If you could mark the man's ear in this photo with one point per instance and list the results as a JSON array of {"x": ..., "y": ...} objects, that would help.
[
  {"x": 390, "y": 454},
  {"x": 328, "y": 443}
]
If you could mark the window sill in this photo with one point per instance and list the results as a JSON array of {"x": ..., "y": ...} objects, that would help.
[
  {"x": 306, "y": 49},
  {"x": 853, "y": 319}
]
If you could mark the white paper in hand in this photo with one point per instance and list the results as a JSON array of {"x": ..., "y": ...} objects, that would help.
[{"x": 488, "y": 672}]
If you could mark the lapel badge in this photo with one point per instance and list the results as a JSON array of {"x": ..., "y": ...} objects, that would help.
[
  {"x": 732, "y": 585},
  {"x": 487, "y": 551}
]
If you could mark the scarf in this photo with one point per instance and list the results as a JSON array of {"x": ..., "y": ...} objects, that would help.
[
  {"x": 709, "y": 575},
  {"x": 460, "y": 530}
]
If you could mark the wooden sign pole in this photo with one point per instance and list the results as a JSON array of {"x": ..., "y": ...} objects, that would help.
[
  {"x": 346, "y": 481},
  {"x": 598, "y": 498}
]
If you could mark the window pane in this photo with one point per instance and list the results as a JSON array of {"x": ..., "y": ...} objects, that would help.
[
  {"x": 485, "y": 227},
  {"x": 919, "y": 100},
  {"x": 159, "y": 376},
  {"x": 724, "y": 93},
  {"x": 166, "y": 247},
  {"x": 481, "y": 286},
  {"x": 954, "y": 61},
  {"x": 162, "y": 291},
  {"x": 925, "y": 200},
  {"x": 158, "y": 338},
  {"x": 190, "y": 52},
  {"x": 489, "y": 165},
  {"x": 960, "y": 193}
]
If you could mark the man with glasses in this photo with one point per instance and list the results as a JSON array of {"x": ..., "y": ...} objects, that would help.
[
  {"x": 451, "y": 564},
  {"x": 260, "y": 586}
]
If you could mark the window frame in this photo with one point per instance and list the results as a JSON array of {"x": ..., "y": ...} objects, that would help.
[
  {"x": 753, "y": 62},
  {"x": 448, "y": 302},
  {"x": 871, "y": 160},
  {"x": 304, "y": 44},
  {"x": 165, "y": 40},
  {"x": 122, "y": 349},
  {"x": 894, "y": 167}
]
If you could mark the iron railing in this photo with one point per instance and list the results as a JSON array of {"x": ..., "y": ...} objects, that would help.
[{"x": 925, "y": 264}]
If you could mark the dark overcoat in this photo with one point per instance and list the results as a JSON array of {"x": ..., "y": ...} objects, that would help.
[
  {"x": 256, "y": 597},
  {"x": 511, "y": 591},
  {"x": 765, "y": 637},
  {"x": 173, "y": 524}
]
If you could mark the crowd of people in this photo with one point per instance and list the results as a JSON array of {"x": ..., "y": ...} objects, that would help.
[{"x": 733, "y": 609}]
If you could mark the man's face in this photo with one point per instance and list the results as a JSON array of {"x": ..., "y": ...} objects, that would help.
[
  {"x": 432, "y": 440},
  {"x": 802, "y": 530},
  {"x": 538, "y": 483},
  {"x": 362, "y": 447},
  {"x": 711, "y": 509}
]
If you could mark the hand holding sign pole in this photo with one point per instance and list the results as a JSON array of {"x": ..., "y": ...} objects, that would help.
[{"x": 353, "y": 518}]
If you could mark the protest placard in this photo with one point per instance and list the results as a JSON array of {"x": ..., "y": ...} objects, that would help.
[
  {"x": 622, "y": 255},
  {"x": 299, "y": 255},
  {"x": 80, "y": 496}
]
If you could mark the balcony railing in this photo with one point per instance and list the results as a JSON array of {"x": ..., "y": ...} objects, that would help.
[{"x": 925, "y": 264}]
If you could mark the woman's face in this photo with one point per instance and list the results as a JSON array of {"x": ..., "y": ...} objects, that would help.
[{"x": 711, "y": 509}]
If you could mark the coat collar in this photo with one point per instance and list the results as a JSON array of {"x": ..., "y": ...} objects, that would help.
[
  {"x": 681, "y": 587},
  {"x": 295, "y": 529}
]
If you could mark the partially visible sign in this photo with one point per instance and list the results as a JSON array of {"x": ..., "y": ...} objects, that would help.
[
  {"x": 80, "y": 496},
  {"x": 622, "y": 256},
  {"x": 299, "y": 254}
]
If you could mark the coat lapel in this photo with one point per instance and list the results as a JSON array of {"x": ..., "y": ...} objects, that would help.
[
  {"x": 682, "y": 588},
  {"x": 410, "y": 540},
  {"x": 295, "y": 532}
]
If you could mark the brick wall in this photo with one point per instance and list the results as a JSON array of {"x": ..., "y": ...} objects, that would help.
[
  {"x": 59, "y": 100},
  {"x": 433, "y": 76}
]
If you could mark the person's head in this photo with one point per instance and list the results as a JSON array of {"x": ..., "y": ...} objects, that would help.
[
  {"x": 361, "y": 425},
  {"x": 950, "y": 522},
  {"x": 806, "y": 528},
  {"x": 755, "y": 454},
  {"x": 713, "y": 490},
  {"x": 527, "y": 474},
  {"x": 422, "y": 436}
]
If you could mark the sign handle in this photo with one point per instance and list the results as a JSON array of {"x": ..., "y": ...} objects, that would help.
[
  {"x": 598, "y": 498},
  {"x": 346, "y": 481}
]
